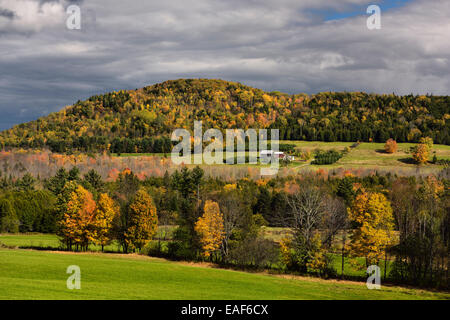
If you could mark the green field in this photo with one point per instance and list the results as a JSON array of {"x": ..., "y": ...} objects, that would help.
[
  {"x": 364, "y": 156},
  {"x": 51, "y": 242},
  {"x": 27, "y": 274},
  {"x": 372, "y": 155}
]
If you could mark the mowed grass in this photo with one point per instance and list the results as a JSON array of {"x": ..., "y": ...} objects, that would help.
[
  {"x": 51, "y": 242},
  {"x": 44, "y": 242},
  {"x": 364, "y": 156},
  {"x": 27, "y": 274},
  {"x": 372, "y": 156},
  {"x": 36, "y": 240},
  {"x": 47, "y": 241}
]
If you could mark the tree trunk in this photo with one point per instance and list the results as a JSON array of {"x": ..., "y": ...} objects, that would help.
[{"x": 343, "y": 253}]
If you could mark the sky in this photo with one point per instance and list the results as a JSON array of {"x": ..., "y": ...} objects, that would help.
[{"x": 291, "y": 46}]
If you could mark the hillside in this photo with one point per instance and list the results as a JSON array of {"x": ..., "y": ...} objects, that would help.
[
  {"x": 141, "y": 120},
  {"x": 41, "y": 275}
]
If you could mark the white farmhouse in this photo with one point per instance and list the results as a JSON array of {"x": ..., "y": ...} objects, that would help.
[{"x": 269, "y": 154}]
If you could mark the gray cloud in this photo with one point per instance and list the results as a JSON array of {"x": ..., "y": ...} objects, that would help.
[
  {"x": 7, "y": 13},
  {"x": 273, "y": 45}
]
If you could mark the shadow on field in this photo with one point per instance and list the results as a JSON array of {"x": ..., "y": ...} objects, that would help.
[{"x": 407, "y": 160}]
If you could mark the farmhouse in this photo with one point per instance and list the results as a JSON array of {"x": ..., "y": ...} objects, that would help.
[{"x": 269, "y": 154}]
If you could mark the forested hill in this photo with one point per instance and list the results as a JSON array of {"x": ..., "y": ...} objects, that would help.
[{"x": 142, "y": 120}]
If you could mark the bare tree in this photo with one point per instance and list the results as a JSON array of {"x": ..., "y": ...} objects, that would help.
[
  {"x": 233, "y": 209},
  {"x": 334, "y": 219},
  {"x": 307, "y": 207}
]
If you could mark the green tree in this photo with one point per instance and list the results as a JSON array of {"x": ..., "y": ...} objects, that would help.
[
  {"x": 26, "y": 183},
  {"x": 93, "y": 182},
  {"x": 56, "y": 183},
  {"x": 8, "y": 218}
]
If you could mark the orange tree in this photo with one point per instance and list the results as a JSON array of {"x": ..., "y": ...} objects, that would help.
[
  {"x": 372, "y": 214},
  {"x": 77, "y": 220},
  {"x": 210, "y": 228},
  {"x": 390, "y": 146}
]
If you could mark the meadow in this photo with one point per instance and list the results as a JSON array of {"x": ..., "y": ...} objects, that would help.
[
  {"x": 47, "y": 241},
  {"x": 365, "y": 156},
  {"x": 28, "y": 274},
  {"x": 38, "y": 241},
  {"x": 362, "y": 160}
]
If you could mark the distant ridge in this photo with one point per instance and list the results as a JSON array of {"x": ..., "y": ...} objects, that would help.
[{"x": 142, "y": 120}]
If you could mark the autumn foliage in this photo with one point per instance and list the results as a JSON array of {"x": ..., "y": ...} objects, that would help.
[
  {"x": 141, "y": 120},
  {"x": 143, "y": 220},
  {"x": 77, "y": 225},
  {"x": 210, "y": 228},
  {"x": 82, "y": 220},
  {"x": 420, "y": 153},
  {"x": 390, "y": 146},
  {"x": 372, "y": 214},
  {"x": 105, "y": 213},
  {"x": 313, "y": 212}
]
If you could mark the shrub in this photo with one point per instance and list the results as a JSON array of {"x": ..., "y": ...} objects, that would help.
[
  {"x": 257, "y": 252},
  {"x": 326, "y": 157},
  {"x": 420, "y": 153},
  {"x": 390, "y": 146}
]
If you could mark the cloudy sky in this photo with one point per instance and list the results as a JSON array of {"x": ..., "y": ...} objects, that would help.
[{"x": 288, "y": 45}]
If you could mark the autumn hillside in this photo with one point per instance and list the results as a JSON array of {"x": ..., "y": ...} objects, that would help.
[{"x": 141, "y": 120}]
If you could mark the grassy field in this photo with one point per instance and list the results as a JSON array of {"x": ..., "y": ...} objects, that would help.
[
  {"x": 364, "y": 156},
  {"x": 372, "y": 155},
  {"x": 27, "y": 274},
  {"x": 51, "y": 242}
]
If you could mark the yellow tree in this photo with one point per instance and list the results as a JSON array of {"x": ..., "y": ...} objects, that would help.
[
  {"x": 427, "y": 141},
  {"x": 372, "y": 214},
  {"x": 105, "y": 213},
  {"x": 420, "y": 153},
  {"x": 143, "y": 220},
  {"x": 77, "y": 224},
  {"x": 210, "y": 228}
]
